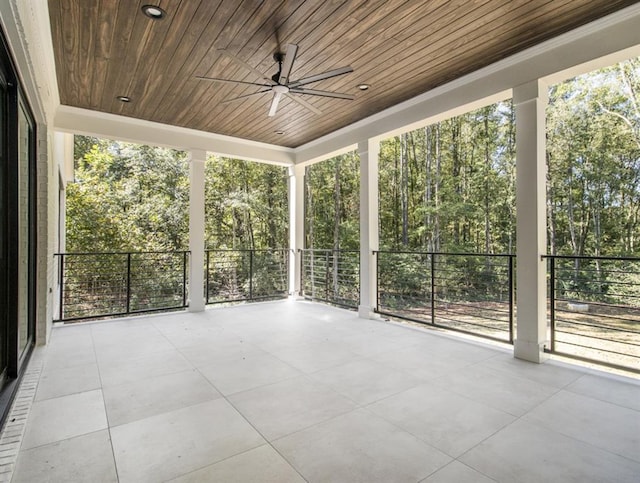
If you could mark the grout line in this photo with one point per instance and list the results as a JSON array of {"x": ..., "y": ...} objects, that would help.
[
  {"x": 104, "y": 402},
  {"x": 265, "y": 439},
  {"x": 15, "y": 426}
]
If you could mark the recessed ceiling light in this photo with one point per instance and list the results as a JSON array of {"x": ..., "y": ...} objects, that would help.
[
  {"x": 279, "y": 132},
  {"x": 123, "y": 99},
  {"x": 363, "y": 87},
  {"x": 153, "y": 11}
]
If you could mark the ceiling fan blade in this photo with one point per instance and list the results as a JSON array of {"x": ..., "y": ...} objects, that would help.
[
  {"x": 319, "y": 77},
  {"x": 274, "y": 104},
  {"x": 313, "y": 92},
  {"x": 305, "y": 104},
  {"x": 227, "y": 101},
  {"x": 229, "y": 81},
  {"x": 246, "y": 66},
  {"x": 287, "y": 64}
]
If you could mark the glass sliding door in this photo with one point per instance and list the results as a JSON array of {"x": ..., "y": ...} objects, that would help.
[
  {"x": 4, "y": 235},
  {"x": 25, "y": 138},
  {"x": 17, "y": 230}
]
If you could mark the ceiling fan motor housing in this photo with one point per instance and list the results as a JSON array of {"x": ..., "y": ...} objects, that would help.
[{"x": 280, "y": 83}]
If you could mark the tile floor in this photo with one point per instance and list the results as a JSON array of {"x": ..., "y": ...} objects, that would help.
[{"x": 293, "y": 391}]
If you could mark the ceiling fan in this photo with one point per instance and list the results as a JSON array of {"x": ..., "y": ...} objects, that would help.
[{"x": 280, "y": 83}]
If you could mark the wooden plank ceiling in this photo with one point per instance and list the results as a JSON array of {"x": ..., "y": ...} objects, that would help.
[{"x": 402, "y": 48}]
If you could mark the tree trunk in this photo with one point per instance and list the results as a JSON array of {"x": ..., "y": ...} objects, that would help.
[
  {"x": 404, "y": 189},
  {"x": 487, "y": 165},
  {"x": 436, "y": 193},
  {"x": 310, "y": 232},
  {"x": 427, "y": 190},
  {"x": 336, "y": 225}
]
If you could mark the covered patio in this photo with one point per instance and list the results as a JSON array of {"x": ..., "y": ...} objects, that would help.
[
  {"x": 299, "y": 391},
  {"x": 292, "y": 390}
]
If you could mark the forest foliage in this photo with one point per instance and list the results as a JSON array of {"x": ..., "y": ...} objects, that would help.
[{"x": 446, "y": 187}]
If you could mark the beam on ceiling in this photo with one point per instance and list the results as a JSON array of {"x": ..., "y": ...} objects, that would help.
[{"x": 112, "y": 126}]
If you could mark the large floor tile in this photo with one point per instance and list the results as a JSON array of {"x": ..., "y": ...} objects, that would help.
[
  {"x": 141, "y": 341},
  {"x": 605, "y": 425},
  {"x": 551, "y": 373},
  {"x": 262, "y": 464},
  {"x": 82, "y": 355},
  {"x": 134, "y": 367},
  {"x": 188, "y": 335},
  {"x": 512, "y": 394},
  {"x": 369, "y": 344},
  {"x": 64, "y": 417},
  {"x": 67, "y": 380},
  {"x": 365, "y": 381},
  {"x": 227, "y": 353},
  {"x": 106, "y": 336},
  {"x": 178, "y": 442},
  {"x": 288, "y": 406},
  {"x": 456, "y": 472},
  {"x": 315, "y": 357},
  {"x": 73, "y": 334},
  {"x": 447, "y": 421},
  {"x": 528, "y": 453},
  {"x": 252, "y": 371},
  {"x": 156, "y": 395},
  {"x": 359, "y": 447},
  {"x": 278, "y": 340},
  {"x": 428, "y": 362},
  {"x": 83, "y": 458},
  {"x": 623, "y": 392}
]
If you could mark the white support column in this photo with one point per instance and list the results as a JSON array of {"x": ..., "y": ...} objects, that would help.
[
  {"x": 196, "y": 230},
  {"x": 530, "y": 101},
  {"x": 368, "y": 151},
  {"x": 296, "y": 227}
]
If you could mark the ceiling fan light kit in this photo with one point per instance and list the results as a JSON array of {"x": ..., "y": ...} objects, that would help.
[{"x": 280, "y": 84}]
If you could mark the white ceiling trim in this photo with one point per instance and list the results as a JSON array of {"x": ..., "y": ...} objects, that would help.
[{"x": 94, "y": 123}]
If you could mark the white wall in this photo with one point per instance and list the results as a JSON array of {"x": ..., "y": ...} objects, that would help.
[{"x": 25, "y": 25}]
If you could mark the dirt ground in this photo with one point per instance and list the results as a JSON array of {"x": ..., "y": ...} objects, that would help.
[{"x": 601, "y": 334}]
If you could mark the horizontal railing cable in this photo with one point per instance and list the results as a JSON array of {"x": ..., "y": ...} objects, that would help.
[
  {"x": 594, "y": 307},
  {"x": 109, "y": 284}
]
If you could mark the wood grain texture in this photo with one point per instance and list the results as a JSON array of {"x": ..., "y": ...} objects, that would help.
[{"x": 107, "y": 48}]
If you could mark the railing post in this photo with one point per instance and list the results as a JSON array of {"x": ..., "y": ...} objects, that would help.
[
  {"x": 301, "y": 271},
  {"x": 61, "y": 284},
  {"x": 377, "y": 257},
  {"x": 511, "y": 291},
  {"x": 552, "y": 302},
  {"x": 326, "y": 275},
  {"x": 128, "y": 282},
  {"x": 433, "y": 289},
  {"x": 250, "y": 274},
  {"x": 206, "y": 287},
  {"x": 287, "y": 263},
  {"x": 184, "y": 279}
]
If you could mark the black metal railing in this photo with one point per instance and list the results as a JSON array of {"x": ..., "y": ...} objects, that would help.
[
  {"x": 107, "y": 284},
  {"x": 245, "y": 275},
  {"x": 594, "y": 309},
  {"x": 467, "y": 292},
  {"x": 331, "y": 276}
]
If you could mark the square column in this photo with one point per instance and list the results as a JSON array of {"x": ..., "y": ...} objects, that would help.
[
  {"x": 296, "y": 227},
  {"x": 368, "y": 151},
  {"x": 530, "y": 101},
  {"x": 196, "y": 230}
]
